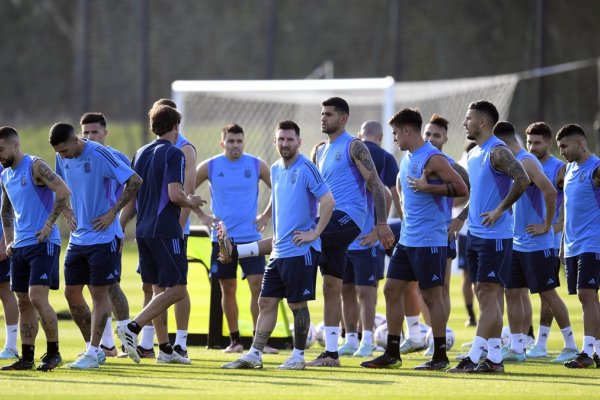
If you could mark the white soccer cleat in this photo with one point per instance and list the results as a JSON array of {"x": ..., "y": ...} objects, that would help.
[
  {"x": 84, "y": 362},
  {"x": 537, "y": 351},
  {"x": 565, "y": 355},
  {"x": 347, "y": 349},
  {"x": 8, "y": 354},
  {"x": 129, "y": 341},
  {"x": 408, "y": 346},
  {"x": 293, "y": 364},
  {"x": 244, "y": 362},
  {"x": 173, "y": 358}
]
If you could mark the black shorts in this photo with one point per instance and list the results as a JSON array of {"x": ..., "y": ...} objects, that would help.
[
  {"x": 462, "y": 251},
  {"x": 339, "y": 233},
  {"x": 34, "y": 265},
  {"x": 292, "y": 278},
  {"x": 362, "y": 267},
  {"x": 583, "y": 272},
  {"x": 95, "y": 264},
  {"x": 163, "y": 262},
  {"x": 5, "y": 270},
  {"x": 489, "y": 259},
  {"x": 426, "y": 265},
  {"x": 535, "y": 270},
  {"x": 250, "y": 265}
]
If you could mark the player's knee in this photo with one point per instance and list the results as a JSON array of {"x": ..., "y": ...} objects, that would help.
[
  {"x": 23, "y": 302},
  {"x": 38, "y": 299}
]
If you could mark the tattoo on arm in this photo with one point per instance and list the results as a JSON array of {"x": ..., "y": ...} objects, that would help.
[
  {"x": 503, "y": 160},
  {"x": 46, "y": 173},
  {"x": 451, "y": 190},
  {"x": 7, "y": 211},
  {"x": 59, "y": 206},
  {"x": 131, "y": 187},
  {"x": 361, "y": 154}
]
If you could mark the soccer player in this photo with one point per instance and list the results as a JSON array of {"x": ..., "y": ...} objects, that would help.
[
  {"x": 32, "y": 199},
  {"x": 497, "y": 180},
  {"x": 297, "y": 187},
  {"x": 581, "y": 242},
  {"x": 533, "y": 258},
  {"x": 159, "y": 236},
  {"x": 366, "y": 256},
  {"x": 9, "y": 303},
  {"x": 539, "y": 142},
  {"x": 234, "y": 177},
  {"x": 425, "y": 178},
  {"x": 94, "y": 246},
  {"x": 183, "y": 307},
  {"x": 93, "y": 128}
]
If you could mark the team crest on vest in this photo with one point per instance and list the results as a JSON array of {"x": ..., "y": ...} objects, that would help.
[
  {"x": 247, "y": 172},
  {"x": 87, "y": 167},
  {"x": 415, "y": 167},
  {"x": 338, "y": 155},
  {"x": 582, "y": 177},
  {"x": 294, "y": 176},
  {"x": 23, "y": 180}
]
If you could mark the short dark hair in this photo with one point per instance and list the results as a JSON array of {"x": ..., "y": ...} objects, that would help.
[
  {"x": 163, "y": 119},
  {"x": 231, "y": 128},
  {"x": 7, "y": 132},
  {"x": 407, "y": 116},
  {"x": 487, "y": 108},
  {"x": 287, "y": 124},
  {"x": 165, "y": 102},
  {"x": 92, "y": 118},
  {"x": 338, "y": 103},
  {"x": 569, "y": 130},
  {"x": 437, "y": 119},
  {"x": 539, "y": 128},
  {"x": 60, "y": 133},
  {"x": 504, "y": 129}
]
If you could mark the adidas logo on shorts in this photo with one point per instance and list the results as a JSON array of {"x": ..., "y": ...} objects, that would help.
[
  {"x": 110, "y": 276},
  {"x": 306, "y": 292},
  {"x": 435, "y": 278},
  {"x": 592, "y": 281},
  {"x": 550, "y": 281},
  {"x": 491, "y": 275},
  {"x": 372, "y": 278},
  {"x": 44, "y": 276}
]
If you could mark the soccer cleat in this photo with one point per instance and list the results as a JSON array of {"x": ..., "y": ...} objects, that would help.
[
  {"x": 364, "y": 350},
  {"x": 566, "y": 354},
  {"x": 383, "y": 361},
  {"x": 19, "y": 365},
  {"x": 433, "y": 365},
  {"x": 244, "y": 362},
  {"x": 597, "y": 360},
  {"x": 129, "y": 340},
  {"x": 293, "y": 364},
  {"x": 145, "y": 353},
  {"x": 49, "y": 362},
  {"x": 101, "y": 357},
  {"x": 225, "y": 245},
  {"x": 347, "y": 349},
  {"x": 429, "y": 351},
  {"x": 488, "y": 366},
  {"x": 512, "y": 355},
  {"x": 408, "y": 346},
  {"x": 465, "y": 365},
  {"x": 536, "y": 351},
  {"x": 173, "y": 358},
  {"x": 177, "y": 348},
  {"x": 465, "y": 355},
  {"x": 8, "y": 354},
  {"x": 109, "y": 352},
  {"x": 234, "y": 348},
  {"x": 581, "y": 361},
  {"x": 84, "y": 362},
  {"x": 270, "y": 350},
  {"x": 505, "y": 349},
  {"x": 324, "y": 360}
]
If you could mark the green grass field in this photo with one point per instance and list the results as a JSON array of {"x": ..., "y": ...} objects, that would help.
[{"x": 121, "y": 378}]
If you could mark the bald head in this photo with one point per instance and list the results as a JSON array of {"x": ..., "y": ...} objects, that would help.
[{"x": 371, "y": 131}]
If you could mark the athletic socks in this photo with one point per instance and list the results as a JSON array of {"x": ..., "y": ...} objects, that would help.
[
  {"x": 439, "y": 349},
  {"x": 247, "y": 250},
  {"x": 27, "y": 352},
  {"x": 569, "y": 337},
  {"x": 517, "y": 342},
  {"x": 134, "y": 327},
  {"x": 235, "y": 336},
  {"x": 494, "y": 350},
  {"x": 107, "y": 336},
  {"x": 181, "y": 338},
  {"x": 367, "y": 337},
  {"x": 352, "y": 338},
  {"x": 414, "y": 329},
  {"x": 147, "y": 341},
  {"x": 542, "y": 338},
  {"x": 470, "y": 311},
  {"x": 298, "y": 354},
  {"x": 588, "y": 345},
  {"x": 332, "y": 333},
  {"x": 478, "y": 346},
  {"x": 166, "y": 348},
  {"x": 393, "y": 346},
  {"x": 51, "y": 347},
  {"x": 92, "y": 351},
  {"x": 11, "y": 336}
]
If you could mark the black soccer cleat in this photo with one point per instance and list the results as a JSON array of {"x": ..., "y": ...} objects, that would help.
[
  {"x": 488, "y": 366},
  {"x": 597, "y": 360},
  {"x": 433, "y": 365},
  {"x": 49, "y": 362},
  {"x": 19, "y": 365},
  {"x": 465, "y": 365},
  {"x": 581, "y": 361},
  {"x": 383, "y": 361}
]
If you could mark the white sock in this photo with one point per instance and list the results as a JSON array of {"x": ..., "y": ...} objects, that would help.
[
  {"x": 332, "y": 333},
  {"x": 254, "y": 353},
  {"x": 87, "y": 345},
  {"x": 569, "y": 337},
  {"x": 92, "y": 351},
  {"x": 495, "y": 350},
  {"x": 542, "y": 338},
  {"x": 414, "y": 329},
  {"x": 123, "y": 322},
  {"x": 352, "y": 338},
  {"x": 367, "y": 337},
  {"x": 181, "y": 339},
  {"x": 514, "y": 342},
  {"x": 11, "y": 336},
  {"x": 147, "y": 341},
  {"x": 478, "y": 346},
  {"x": 247, "y": 250},
  {"x": 597, "y": 346},
  {"x": 588, "y": 345},
  {"x": 298, "y": 354},
  {"x": 107, "y": 337}
]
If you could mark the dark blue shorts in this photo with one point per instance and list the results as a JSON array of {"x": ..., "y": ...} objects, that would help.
[
  {"x": 583, "y": 272},
  {"x": 292, "y": 278},
  {"x": 426, "y": 265},
  {"x": 362, "y": 267},
  {"x": 94, "y": 265},
  {"x": 250, "y": 265},
  {"x": 5, "y": 270},
  {"x": 489, "y": 260},
  {"x": 396, "y": 227},
  {"x": 34, "y": 265},
  {"x": 451, "y": 249},
  {"x": 163, "y": 262},
  {"x": 535, "y": 270},
  {"x": 380, "y": 263},
  {"x": 462, "y": 252},
  {"x": 335, "y": 239}
]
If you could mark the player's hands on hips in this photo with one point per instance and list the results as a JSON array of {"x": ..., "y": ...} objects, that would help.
[
  {"x": 261, "y": 222},
  {"x": 44, "y": 233},
  {"x": 536, "y": 229},
  {"x": 104, "y": 221},
  {"x": 304, "y": 237},
  {"x": 369, "y": 239},
  {"x": 491, "y": 217},
  {"x": 70, "y": 219},
  {"x": 385, "y": 235},
  {"x": 455, "y": 225}
]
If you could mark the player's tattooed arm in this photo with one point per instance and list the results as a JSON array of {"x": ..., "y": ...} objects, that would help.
[
  {"x": 131, "y": 187},
  {"x": 8, "y": 222},
  {"x": 43, "y": 175}
]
